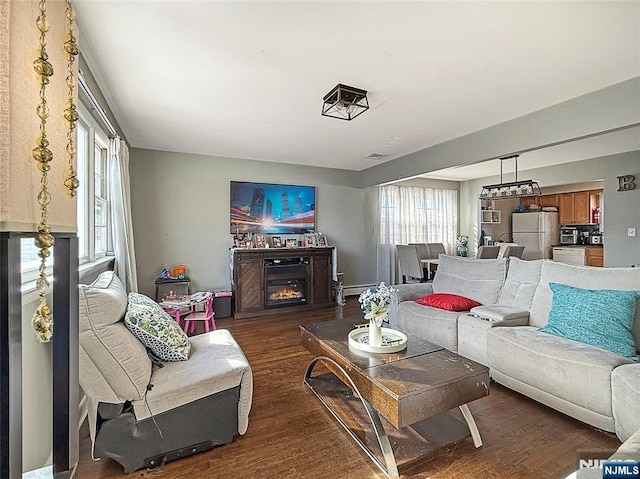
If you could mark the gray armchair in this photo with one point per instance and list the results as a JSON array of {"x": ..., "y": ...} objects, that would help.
[{"x": 142, "y": 415}]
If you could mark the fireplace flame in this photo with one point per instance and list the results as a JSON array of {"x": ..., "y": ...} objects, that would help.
[{"x": 285, "y": 293}]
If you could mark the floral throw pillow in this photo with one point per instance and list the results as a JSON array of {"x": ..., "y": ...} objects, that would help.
[{"x": 148, "y": 322}]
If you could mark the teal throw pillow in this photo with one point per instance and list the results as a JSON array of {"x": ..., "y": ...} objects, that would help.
[
  {"x": 599, "y": 317},
  {"x": 148, "y": 322}
]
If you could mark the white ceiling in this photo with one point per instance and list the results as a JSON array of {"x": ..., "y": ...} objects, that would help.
[
  {"x": 607, "y": 144},
  {"x": 245, "y": 79}
]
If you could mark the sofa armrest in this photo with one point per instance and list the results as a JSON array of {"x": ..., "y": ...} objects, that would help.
[
  {"x": 474, "y": 327},
  {"x": 413, "y": 291},
  {"x": 508, "y": 315},
  {"x": 630, "y": 449}
]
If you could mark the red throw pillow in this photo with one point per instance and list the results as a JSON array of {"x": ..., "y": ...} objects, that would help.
[{"x": 450, "y": 302}]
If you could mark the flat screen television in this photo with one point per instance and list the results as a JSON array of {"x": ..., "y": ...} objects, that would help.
[{"x": 271, "y": 208}]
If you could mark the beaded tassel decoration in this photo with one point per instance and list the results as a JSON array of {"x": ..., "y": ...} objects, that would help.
[
  {"x": 42, "y": 318},
  {"x": 71, "y": 181}
]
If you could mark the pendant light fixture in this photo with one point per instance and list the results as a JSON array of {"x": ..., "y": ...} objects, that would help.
[{"x": 515, "y": 189}]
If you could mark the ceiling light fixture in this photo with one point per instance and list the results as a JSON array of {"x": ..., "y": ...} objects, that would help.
[
  {"x": 515, "y": 189},
  {"x": 345, "y": 102}
]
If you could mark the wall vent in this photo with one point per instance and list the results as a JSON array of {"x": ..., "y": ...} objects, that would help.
[{"x": 376, "y": 156}]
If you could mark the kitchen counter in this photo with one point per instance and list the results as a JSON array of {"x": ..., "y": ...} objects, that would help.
[
  {"x": 589, "y": 255},
  {"x": 577, "y": 246}
]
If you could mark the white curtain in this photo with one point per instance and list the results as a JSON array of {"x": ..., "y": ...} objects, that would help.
[
  {"x": 120, "y": 198},
  {"x": 411, "y": 214}
]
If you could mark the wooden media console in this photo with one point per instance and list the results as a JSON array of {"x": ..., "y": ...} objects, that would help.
[{"x": 271, "y": 281}]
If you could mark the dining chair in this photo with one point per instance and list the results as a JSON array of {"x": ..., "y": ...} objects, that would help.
[
  {"x": 516, "y": 251},
  {"x": 435, "y": 250},
  {"x": 423, "y": 250},
  {"x": 409, "y": 263},
  {"x": 488, "y": 252}
]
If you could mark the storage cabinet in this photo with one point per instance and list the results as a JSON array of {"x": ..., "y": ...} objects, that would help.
[
  {"x": 248, "y": 275},
  {"x": 575, "y": 208},
  {"x": 581, "y": 208},
  {"x": 491, "y": 216},
  {"x": 547, "y": 200},
  {"x": 565, "y": 208},
  {"x": 595, "y": 256},
  {"x": 541, "y": 201},
  {"x": 322, "y": 285}
]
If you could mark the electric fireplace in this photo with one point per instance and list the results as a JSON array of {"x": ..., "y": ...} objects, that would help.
[{"x": 285, "y": 282}]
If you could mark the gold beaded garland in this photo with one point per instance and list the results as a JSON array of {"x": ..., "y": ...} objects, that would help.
[
  {"x": 42, "y": 318},
  {"x": 71, "y": 181}
]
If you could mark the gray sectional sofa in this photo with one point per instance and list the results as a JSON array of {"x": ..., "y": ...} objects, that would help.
[{"x": 593, "y": 385}]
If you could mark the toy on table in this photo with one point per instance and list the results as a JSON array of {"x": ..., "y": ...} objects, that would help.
[
  {"x": 179, "y": 271},
  {"x": 164, "y": 274}
]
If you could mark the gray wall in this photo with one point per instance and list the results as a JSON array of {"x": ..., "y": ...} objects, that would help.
[
  {"x": 180, "y": 206},
  {"x": 591, "y": 114},
  {"x": 621, "y": 209}
]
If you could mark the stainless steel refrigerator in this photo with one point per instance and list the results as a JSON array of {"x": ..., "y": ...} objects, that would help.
[{"x": 537, "y": 232}]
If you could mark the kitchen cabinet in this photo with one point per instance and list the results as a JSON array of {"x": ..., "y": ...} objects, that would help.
[
  {"x": 575, "y": 208},
  {"x": 595, "y": 256},
  {"x": 548, "y": 200},
  {"x": 565, "y": 207},
  {"x": 542, "y": 201},
  {"x": 491, "y": 216},
  {"x": 581, "y": 208}
]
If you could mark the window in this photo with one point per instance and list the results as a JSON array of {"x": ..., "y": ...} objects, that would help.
[
  {"x": 410, "y": 214},
  {"x": 101, "y": 204},
  {"x": 93, "y": 197},
  {"x": 30, "y": 261},
  {"x": 94, "y": 237}
]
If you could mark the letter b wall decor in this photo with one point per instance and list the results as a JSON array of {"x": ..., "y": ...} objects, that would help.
[{"x": 626, "y": 183}]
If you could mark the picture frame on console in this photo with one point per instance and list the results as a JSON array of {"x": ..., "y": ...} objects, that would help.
[
  {"x": 310, "y": 239},
  {"x": 261, "y": 241},
  {"x": 321, "y": 239},
  {"x": 291, "y": 243},
  {"x": 276, "y": 242}
]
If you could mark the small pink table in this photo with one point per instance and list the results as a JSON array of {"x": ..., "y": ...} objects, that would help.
[{"x": 195, "y": 312}]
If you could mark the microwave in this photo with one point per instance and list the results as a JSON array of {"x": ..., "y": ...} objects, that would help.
[{"x": 568, "y": 236}]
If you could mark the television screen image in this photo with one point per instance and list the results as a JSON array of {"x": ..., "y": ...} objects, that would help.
[{"x": 271, "y": 208}]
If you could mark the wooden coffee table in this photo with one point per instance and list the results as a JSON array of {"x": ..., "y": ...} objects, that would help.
[{"x": 412, "y": 390}]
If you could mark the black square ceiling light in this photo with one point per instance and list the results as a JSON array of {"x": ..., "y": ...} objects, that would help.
[{"x": 345, "y": 102}]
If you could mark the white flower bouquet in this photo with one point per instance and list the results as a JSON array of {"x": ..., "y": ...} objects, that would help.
[
  {"x": 462, "y": 240},
  {"x": 375, "y": 302}
]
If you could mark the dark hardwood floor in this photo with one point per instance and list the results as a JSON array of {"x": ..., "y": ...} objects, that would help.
[{"x": 292, "y": 435}]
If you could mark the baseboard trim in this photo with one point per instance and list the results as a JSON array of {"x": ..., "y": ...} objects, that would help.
[{"x": 354, "y": 289}]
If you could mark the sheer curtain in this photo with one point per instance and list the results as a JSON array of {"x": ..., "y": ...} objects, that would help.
[
  {"x": 412, "y": 214},
  {"x": 120, "y": 197}
]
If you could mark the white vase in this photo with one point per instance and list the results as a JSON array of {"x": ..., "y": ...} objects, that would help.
[{"x": 375, "y": 333}]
